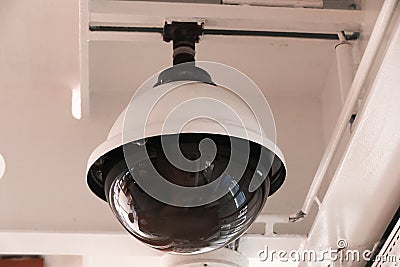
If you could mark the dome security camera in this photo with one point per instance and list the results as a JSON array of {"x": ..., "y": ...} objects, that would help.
[{"x": 188, "y": 166}]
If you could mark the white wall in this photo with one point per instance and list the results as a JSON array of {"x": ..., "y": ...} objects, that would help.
[
  {"x": 300, "y": 137},
  {"x": 99, "y": 261},
  {"x": 62, "y": 261},
  {"x": 120, "y": 261}
]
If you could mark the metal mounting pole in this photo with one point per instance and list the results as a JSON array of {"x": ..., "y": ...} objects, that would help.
[{"x": 184, "y": 35}]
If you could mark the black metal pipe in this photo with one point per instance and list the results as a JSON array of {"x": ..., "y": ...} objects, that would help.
[
  {"x": 184, "y": 36},
  {"x": 307, "y": 35}
]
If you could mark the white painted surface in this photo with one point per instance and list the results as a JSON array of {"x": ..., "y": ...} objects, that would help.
[
  {"x": 276, "y": 3},
  {"x": 363, "y": 195},
  {"x": 377, "y": 37},
  {"x": 116, "y": 249},
  {"x": 58, "y": 243},
  {"x": 44, "y": 188},
  {"x": 331, "y": 101},
  {"x": 47, "y": 149},
  {"x": 280, "y": 69},
  {"x": 76, "y": 103},
  {"x": 345, "y": 65},
  {"x": 2, "y": 166},
  {"x": 62, "y": 261},
  {"x": 245, "y": 113},
  {"x": 223, "y": 257},
  {"x": 257, "y": 263},
  {"x": 153, "y": 14},
  {"x": 302, "y": 144},
  {"x": 120, "y": 261}
]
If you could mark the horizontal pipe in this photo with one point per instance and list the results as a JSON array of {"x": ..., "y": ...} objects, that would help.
[
  {"x": 307, "y": 35},
  {"x": 276, "y": 3}
]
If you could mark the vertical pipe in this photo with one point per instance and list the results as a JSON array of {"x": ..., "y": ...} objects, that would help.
[
  {"x": 377, "y": 35},
  {"x": 345, "y": 66}
]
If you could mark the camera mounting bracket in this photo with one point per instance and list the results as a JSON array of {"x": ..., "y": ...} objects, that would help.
[{"x": 184, "y": 36}]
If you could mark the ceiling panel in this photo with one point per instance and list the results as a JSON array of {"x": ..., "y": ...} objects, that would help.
[{"x": 279, "y": 66}]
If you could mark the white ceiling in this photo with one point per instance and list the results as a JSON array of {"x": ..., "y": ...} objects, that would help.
[
  {"x": 291, "y": 72},
  {"x": 280, "y": 66},
  {"x": 46, "y": 149}
]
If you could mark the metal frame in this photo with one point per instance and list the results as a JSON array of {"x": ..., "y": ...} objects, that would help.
[{"x": 117, "y": 19}]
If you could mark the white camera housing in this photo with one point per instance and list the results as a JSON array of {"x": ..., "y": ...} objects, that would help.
[{"x": 166, "y": 205}]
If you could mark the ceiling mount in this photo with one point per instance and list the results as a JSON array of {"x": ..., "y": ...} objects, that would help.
[{"x": 184, "y": 36}]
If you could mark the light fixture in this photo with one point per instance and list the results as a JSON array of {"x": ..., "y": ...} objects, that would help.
[
  {"x": 2, "y": 166},
  {"x": 76, "y": 105}
]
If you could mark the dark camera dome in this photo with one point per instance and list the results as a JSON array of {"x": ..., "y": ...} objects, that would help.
[
  {"x": 191, "y": 161},
  {"x": 185, "y": 230}
]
